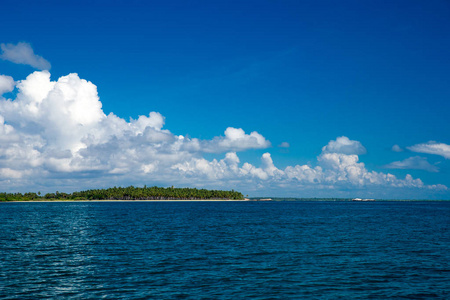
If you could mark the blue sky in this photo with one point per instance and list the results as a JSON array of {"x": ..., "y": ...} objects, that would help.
[{"x": 302, "y": 73}]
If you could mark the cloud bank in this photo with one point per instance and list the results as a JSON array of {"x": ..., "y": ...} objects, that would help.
[
  {"x": 22, "y": 53},
  {"x": 59, "y": 126},
  {"x": 55, "y": 134}
]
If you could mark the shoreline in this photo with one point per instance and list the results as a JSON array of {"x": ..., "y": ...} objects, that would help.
[
  {"x": 173, "y": 200},
  {"x": 234, "y": 200}
]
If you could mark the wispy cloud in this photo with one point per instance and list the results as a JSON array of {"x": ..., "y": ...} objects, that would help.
[
  {"x": 415, "y": 162},
  {"x": 432, "y": 147},
  {"x": 22, "y": 53}
]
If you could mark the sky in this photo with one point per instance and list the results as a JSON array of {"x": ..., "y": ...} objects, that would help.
[{"x": 270, "y": 98}]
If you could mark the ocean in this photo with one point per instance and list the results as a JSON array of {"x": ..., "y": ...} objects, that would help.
[{"x": 225, "y": 250}]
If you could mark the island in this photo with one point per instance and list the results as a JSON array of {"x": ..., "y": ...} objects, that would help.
[{"x": 128, "y": 193}]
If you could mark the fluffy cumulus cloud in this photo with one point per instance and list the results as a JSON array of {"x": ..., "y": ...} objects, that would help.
[
  {"x": 22, "y": 53},
  {"x": 55, "y": 134},
  {"x": 345, "y": 146},
  {"x": 59, "y": 127},
  {"x": 432, "y": 148},
  {"x": 235, "y": 139},
  {"x": 415, "y": 162},
  {"x": 334, "y": 171}
]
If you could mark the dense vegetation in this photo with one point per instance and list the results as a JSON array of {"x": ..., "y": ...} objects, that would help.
[{"x": 128, "y": 193}]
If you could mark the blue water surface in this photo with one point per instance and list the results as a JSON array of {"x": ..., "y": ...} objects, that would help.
[{"x": 225, "y": 250}]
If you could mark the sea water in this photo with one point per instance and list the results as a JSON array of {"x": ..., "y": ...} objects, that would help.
[{"x": 225, "y": 250}]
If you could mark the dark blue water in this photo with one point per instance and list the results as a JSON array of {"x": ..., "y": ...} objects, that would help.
[{"x": 221, "y": 250}]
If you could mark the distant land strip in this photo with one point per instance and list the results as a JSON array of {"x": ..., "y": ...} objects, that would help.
[{"x": 128, "y": 193}]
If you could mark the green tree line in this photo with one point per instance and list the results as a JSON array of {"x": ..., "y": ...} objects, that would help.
[{"x": 128, "y": 193}]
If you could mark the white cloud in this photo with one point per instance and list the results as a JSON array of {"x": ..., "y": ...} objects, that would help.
[
  {"x": 397, "y": 148},
  {"x": 22, "y": 53},
  {"x": 432, "y": 148},
  {"x": 62, "y": 124},
  {"x": 235, "y": 139},
  {"x": 7, "y": 173},
  {"x": 284, "y": 145},
  {"x": 335, "y": 171},
  {"x": 63, "y": 112},
  {"x": 6, "y": 84},
  {"x": 415, "y": 162},
  {"x": 55, "y": 134},
  {"x": 345, "y": 146}
]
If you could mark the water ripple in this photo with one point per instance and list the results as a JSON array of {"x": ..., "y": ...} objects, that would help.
[{"x": 289, "y": 250}]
